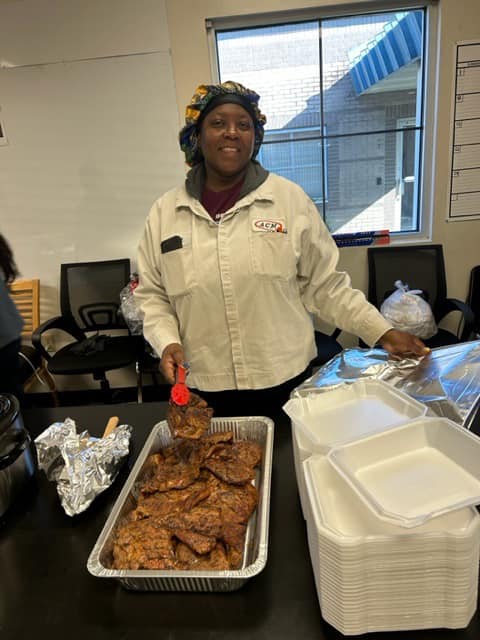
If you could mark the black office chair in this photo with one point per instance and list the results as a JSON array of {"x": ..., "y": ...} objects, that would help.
[
  {"x": 474, "y": 299},
  {"x": 421, "y": 267},
  {"x": 89, "y": 302}
]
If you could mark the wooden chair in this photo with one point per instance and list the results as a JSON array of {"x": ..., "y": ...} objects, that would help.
[{"x": 26, "y": 296}]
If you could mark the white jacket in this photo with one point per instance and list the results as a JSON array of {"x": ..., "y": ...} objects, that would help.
[{"x": 238, "y": 294}]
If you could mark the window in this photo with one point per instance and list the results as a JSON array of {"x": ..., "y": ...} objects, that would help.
[{"x": 344, "y": 100}]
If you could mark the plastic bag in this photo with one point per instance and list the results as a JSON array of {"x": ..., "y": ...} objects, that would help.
[
  {"x": 131, "y": 313},
  {"x": 408, "y": 311}
]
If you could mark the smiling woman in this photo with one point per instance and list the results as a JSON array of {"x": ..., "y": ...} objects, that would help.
[
  {"x": 235, "y": 295},
  {"x": 226, "y": 141}
]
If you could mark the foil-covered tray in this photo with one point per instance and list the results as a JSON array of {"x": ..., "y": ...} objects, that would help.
[
  {"x": 447, "y": 380},
  {"x": 255, "y": 428}
]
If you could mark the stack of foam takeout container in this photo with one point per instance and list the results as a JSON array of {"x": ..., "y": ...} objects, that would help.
[{"x": 388, "y": 496}]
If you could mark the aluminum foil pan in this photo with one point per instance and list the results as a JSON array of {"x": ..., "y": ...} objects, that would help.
[
  {"x": 254, "y": 428},
  {"x": 447, "y": 381}
]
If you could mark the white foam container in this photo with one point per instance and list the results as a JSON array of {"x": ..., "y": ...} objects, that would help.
[
  {"x": 372, "y": 575},
  {"x": 333, "y": 505},
  {"x": 301, "y": 452},
  {"x": 357, "y": 610},
  {"x": 350, "y": 412},
  {"x": 411, "y": 473},
  {"x": 321, "y": 421}
]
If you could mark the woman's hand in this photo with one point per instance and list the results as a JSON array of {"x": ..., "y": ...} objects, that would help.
[
  {"x": 401, "y": 344},
  {"x": 172, "y": 356}
]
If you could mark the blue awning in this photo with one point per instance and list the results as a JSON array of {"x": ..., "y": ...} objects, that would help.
[{"x": 399, "y": 44}]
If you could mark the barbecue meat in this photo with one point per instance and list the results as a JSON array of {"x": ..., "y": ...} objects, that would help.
[
  {"x": 237, "y": 503},
  {"x": 206, "y": 520},
  {"x": 196, "y": 541},
  {"x": 227, "y": 463},
  {"x": 189, "y": 421},
  {"x": 166, "y": 472},
  {"x": 233, "y": 535},
  {"x": 160, "y": 504},
  {"x": 216, "y": 560},
  {"x": 248, "y": 452},
  {"x": 143, "y": 545},
  {"x": 195, "y": 498},
  {"x": 219, "y": 436},
  {"x": 176, "y": 476}
]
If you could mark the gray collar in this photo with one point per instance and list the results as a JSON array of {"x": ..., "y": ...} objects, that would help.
[{"x": 255, "y": 176}]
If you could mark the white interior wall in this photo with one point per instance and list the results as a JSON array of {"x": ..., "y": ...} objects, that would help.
[{"x": 88, "y": 104}]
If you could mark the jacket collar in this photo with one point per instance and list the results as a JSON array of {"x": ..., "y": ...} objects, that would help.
[{"x": 254, "y": 178}]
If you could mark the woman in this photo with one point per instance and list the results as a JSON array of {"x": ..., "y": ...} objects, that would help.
[
  {"x": 234, "y": 263},
  {"x": 11, "y": 324}
]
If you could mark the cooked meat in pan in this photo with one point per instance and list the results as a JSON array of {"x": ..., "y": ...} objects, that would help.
[
  {"x": 195, "y": 500},
  {"x": 197, "y": 542},
  {"x": 216, "y": 560},
  {"x": 169, "y": 471},
  {"x": 189, "y": 421},
  {"x": 143, "y": 544},
  {"x": 166, "y": 503},
  {"x": 248, "y": 452},
  {"x": 227, "y": 464}
]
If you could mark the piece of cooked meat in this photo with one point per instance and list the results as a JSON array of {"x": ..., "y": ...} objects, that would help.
[
  {"x": 216, "y": 560},
  {"x": 203, "y": 519},
  {"x": 143, "y": 544},
  {"x": 209, "y": 443},
  {"x": 233, "y": 535},
  {"x": 225, "y": 463},
  {"x": 249, "y": 452},
  {"x": 169, "y": 472},
  {"x": 166, "y": 457},
  {"x": 219, "y": 436},
  {"x": 196, "y": 541},
  {"x": 189, "y": 421},
  {"x": 175, "y": 477},
  {"x": 237, "y": 503},
  {"x": 168, "y": 502}
]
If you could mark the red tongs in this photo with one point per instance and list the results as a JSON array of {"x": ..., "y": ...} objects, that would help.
[{"x": 180, "y": 393}]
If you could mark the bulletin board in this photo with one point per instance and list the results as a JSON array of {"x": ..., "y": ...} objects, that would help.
[{"x": 464, "y": 198}]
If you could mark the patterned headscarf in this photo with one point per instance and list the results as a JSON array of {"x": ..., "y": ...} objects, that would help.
[{"x": 201, "y": 99}]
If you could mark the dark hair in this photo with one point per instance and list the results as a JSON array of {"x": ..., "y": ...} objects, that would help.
[{"x": 7, "y": 262}]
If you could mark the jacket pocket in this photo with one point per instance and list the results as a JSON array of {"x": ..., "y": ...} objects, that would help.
[
  {"x": 272, "y": 255},
  {"x": 178, "y": 272}
]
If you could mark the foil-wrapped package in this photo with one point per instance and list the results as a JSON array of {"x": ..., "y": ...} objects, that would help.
[
  {"x": 82, "y": 466},
  {"x": 447, "y": 380}
]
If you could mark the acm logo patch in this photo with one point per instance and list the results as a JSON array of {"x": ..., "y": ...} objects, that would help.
[{"x": 270, "y": 226}]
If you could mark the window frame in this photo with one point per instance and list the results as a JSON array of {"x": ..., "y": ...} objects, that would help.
[
  {"x": 287, "y": 133},
  {"x": 427, "y": 101}
]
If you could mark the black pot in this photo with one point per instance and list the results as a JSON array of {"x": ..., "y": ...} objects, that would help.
[{"x": 18, "y": 456}]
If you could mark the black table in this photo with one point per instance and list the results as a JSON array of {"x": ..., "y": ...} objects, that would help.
[{"x": 45, "y": 587}]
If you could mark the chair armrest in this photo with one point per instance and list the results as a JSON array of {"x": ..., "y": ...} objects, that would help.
[
  {"x": 452, "y": 304},
  {"x": 59, "y": 322}
]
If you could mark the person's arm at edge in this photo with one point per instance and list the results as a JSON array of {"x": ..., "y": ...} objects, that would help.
[{"x": 329, "y": 290}]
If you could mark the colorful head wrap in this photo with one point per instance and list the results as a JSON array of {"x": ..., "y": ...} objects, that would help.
[{"x": 207, "y": 97}]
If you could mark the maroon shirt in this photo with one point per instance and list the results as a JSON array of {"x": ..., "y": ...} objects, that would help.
[{"x": 217, "y": 202}]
